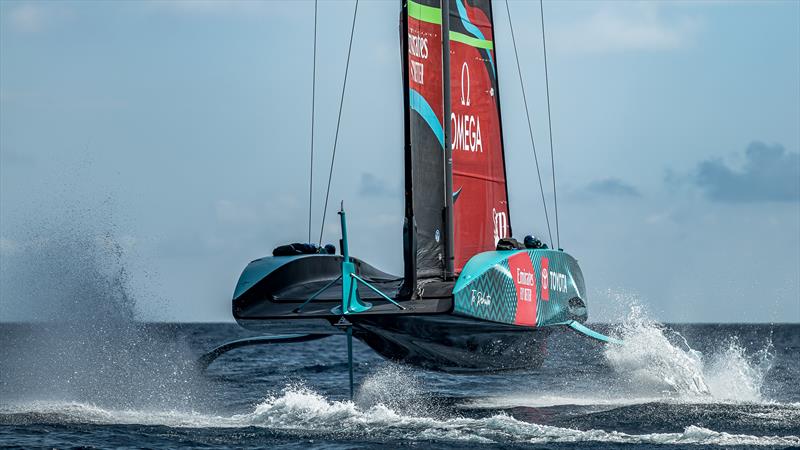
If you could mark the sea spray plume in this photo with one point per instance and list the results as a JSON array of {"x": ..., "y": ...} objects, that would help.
[
  {"x": 648, "y": 357},
  {"x": 398, "y": 388},
  {"x": 83, "y": 343},
  {"x": 655, "y": 355},
  {"x": 734, "y": 375}
]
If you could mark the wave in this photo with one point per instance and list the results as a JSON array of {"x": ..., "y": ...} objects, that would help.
[{"x": 304, "y": 413}]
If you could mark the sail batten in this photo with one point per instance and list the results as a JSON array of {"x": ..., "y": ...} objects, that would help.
[{"x": 479, "y": 176}]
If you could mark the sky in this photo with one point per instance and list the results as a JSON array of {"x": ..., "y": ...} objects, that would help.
[{"x": 177, "y": 134}]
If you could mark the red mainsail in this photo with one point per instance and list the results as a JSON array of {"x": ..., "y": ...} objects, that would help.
[{"x": 481, "y": 214}]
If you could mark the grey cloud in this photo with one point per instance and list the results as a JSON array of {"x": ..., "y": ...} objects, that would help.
[
  {"x": 614, "y": 29},
  {"x": 770, "y": 173},
  {"x": 610, "y": 187},
  {"x": 373, "y": 186}
]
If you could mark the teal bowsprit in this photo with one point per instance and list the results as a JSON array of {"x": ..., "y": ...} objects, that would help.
[{"x": 588, "y": 332}]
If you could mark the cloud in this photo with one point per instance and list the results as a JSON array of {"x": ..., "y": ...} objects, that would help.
[
  {"x": 608, "y": 187},
  {"x": 371, "y": 185},
  {"x": 34, "y": 17},
  {"x": 639, "y": 28},
  {"x": 28, "y": 18},
  {"x": 769, "y": 173},
  {"x": 235, "y": 213}
]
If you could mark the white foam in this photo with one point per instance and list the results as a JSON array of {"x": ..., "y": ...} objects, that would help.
[
  {"x": 656, "y": 364},
  {"x": 307, "y": 413},
  {"x": 548, "y": 399},
  {"x": 397, "y": 387},
  {"x": 648, "y": 358},
  {"x": 653, "y": 356},
  {"x": 731, "y": 375}
]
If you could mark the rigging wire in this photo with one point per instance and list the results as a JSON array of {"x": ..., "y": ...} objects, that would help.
[
  {"x": 313, "y": 104},
  {"x": 549, "y": 122},
  {"x": 338, "y": 123},
  {"x": 530, "y": 127}
]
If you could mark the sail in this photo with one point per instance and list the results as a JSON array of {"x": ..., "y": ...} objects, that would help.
[
  {"x": 424, "y": 119},
  {"x": 481, "y": 215}
]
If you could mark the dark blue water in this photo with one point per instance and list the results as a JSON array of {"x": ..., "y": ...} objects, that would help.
[{"x": 116, "y": 383}]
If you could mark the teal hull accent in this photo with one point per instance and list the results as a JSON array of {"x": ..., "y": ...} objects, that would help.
[
  {"x": 260, "y": 268},
  {"x": 532, "y": 288}
]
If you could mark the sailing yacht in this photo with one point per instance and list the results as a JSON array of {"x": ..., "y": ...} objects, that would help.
[{"x": 460, "y": 305}]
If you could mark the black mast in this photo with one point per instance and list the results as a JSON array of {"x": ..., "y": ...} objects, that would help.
[
  {"x": 409, "y": 226},
  {"x": 428, "y": 228},
  {"x": 449, "y": 256}
]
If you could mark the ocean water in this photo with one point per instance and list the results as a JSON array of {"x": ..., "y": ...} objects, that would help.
[
  {"x": 87, "y": 374},
  {"x": 119, "y": 383}
]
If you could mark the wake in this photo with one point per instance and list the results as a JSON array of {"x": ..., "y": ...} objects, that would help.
[{"x": 304, "y": 413}]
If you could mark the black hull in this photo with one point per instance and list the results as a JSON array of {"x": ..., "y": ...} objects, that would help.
[
  {"x": 272, "y": 292},
  {"x": 441, "y": 342},
  {"x": 454, "y": 344},
  {"x": 429, "y": 330}
]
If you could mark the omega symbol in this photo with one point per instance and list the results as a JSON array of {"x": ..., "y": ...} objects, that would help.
[{"x": 464, "y": 70}]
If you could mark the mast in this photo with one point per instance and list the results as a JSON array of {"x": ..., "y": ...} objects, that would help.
[
  {"x": 409, "y": 228},
  {"x": 425, "y": 231},
  {"x": 449, "y": 256}
]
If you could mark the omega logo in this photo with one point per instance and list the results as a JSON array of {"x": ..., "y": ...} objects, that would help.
[{"x": 464, "y": 70}]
